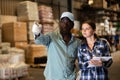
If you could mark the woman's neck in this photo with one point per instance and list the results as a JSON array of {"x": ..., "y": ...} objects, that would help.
[{"x": 91, "y": 40}]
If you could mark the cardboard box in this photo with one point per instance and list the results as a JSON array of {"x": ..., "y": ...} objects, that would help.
[
  {"x": 77, "y": 4},
  {"x": 14, "y": 31},
  {"x": 29, "y": 28},
  {"x": 7, "y": 19},
  {"x": 99, "y": 4},
  {"x": 35, "y": 51},
  {"x": 27, "y": 11},
  {"x": 19, "y": 44}
]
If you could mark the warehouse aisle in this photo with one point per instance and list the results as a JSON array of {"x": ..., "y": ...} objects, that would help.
[{"x": 114, "y": 70}]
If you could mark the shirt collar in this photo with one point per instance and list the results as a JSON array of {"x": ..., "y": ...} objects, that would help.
[{"x": 61, "y": 38}]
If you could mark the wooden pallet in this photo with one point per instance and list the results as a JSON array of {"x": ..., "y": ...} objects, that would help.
[{"x": 37, "y": 65}]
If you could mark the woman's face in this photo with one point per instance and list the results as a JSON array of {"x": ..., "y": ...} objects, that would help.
[{"x": 87, "y": 30}]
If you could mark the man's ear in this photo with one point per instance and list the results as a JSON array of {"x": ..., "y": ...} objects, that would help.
[{"x": 72, "y": 24}]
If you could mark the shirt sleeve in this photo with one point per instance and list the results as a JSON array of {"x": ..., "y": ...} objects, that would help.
[
  {"x": 107, "y": 53},
  {"x": 83, "y": 64},
  {"x": 43, "y": 39}
]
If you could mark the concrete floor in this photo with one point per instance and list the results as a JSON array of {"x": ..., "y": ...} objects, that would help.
[
  {"x": 114, "y": 70},
  {"x": 34, "y": 74}
]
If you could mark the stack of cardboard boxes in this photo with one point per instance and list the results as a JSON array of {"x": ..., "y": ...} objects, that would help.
[{"x": 16, "y": 32}]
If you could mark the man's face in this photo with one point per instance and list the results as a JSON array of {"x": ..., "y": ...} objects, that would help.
[{"x": 66, "y": 25}]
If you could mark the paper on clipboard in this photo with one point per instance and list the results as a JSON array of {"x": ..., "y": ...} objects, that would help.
[
  {"x": 98, "y": 58},
  {"x": 94, "y": 58},
  {"x": 106, "y": 58},
  {"x": 102, "y": 58}
]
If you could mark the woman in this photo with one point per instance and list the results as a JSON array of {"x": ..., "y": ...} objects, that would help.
[{"x": 91, "y": 54}]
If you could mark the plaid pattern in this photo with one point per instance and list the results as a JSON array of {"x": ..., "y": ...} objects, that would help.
[{"x": 101, "y": 48}]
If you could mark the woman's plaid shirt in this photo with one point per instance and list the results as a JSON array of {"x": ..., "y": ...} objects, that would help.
[{"x": 101, "y": 48}]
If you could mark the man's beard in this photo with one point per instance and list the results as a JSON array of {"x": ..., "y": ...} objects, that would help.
[{"x": 65, "y": 32}]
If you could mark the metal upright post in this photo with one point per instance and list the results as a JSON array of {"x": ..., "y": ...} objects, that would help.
[{"x": 69, "y": 4}]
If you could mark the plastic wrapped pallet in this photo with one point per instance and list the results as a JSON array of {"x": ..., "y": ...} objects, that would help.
[
  {"x": 4, "y": 47},
  {"x": 22, "y": 69},
  {"x": 27, "y": 11},
  {"x": 13, "y": 65},
  {"x": 13, "y": 71},
  {"x": 16, "y": 58},
  {"x": 16, "y": 55},
  {"x": 19, "y": 70},
  {"x": 5, "y": 71},
  {"x": 5, "y": 44},
  {"x": 4, "y": 58}
]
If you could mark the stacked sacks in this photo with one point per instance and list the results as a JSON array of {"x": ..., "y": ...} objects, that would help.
[{"x": 46, "y": 18}]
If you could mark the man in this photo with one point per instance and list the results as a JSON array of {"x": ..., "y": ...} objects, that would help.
[{"x": 62, "y": 49}]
